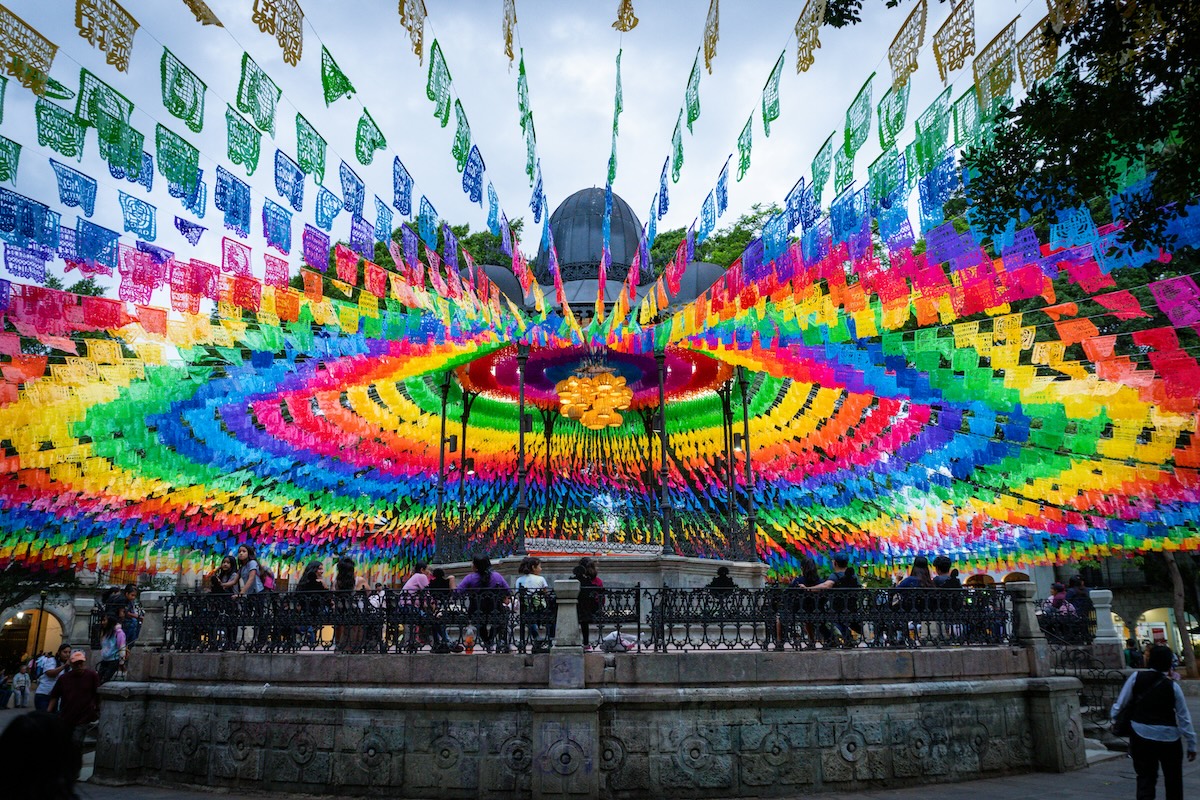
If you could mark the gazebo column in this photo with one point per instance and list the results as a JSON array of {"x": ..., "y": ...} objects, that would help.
[{"x": 522, "y": 472}]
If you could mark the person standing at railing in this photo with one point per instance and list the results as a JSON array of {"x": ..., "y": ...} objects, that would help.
[
  {"x": 803, "y": 605},
  {"x": 532, "y": 590},
  {"x": 918, "y": 578},
  {"x": 590, "y": 599},
  {"x": 946, "y": 578},
  {"x": 412, "y": 589},
  {"x": 225, "y": 579},
  {"x": 441, "y": 586},
  {"x": 133, "y": 615},
  {"x": 347, "y": 585},
  {"x": 487, "y": 599},
  {"x": 313, "y": 597},
  {"x": 722, "y": 580},
  {"x": 1159, "y": 719},
  {"x": 1077, "y": 594},
  {"x": 249, "y": 582},
  {"x": 112, "y": 647},
  {"x": 842, "y": 577}
]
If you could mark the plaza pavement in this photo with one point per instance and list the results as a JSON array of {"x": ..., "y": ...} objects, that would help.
[{"x": 1111, "y": 778}]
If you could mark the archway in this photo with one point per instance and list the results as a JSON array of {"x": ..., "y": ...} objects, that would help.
[
  {"x": 1015, "y": 576},
  {"x": 27, "y": 631},
  {"x": 980, "y": 581},
  {"x": 1157, "y": 626}
]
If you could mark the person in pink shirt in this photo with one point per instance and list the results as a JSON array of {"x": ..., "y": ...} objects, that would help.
[
  {"x": 417, "y": 584},
  {"x": 419, "y": 579}
]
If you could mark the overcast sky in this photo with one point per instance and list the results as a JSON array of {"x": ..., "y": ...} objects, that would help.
[{"x": 570, "y": 49}]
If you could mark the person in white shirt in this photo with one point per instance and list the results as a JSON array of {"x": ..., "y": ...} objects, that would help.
[
  {"x": 532, "y": 590},
  {"x": 50, "y": 668},
  {"x": 1159, "y": 718}
]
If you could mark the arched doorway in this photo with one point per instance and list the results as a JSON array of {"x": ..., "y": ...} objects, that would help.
[
  {"x": 1157, "y": 626},
  {"x": 27, "y": 632},
  {"x": 1015, "y": 576},
  {"x": 980, "y": 581}
]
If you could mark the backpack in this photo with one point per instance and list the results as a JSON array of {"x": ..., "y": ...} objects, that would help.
[
  {"x": 846, "y": 579},
  {"x": 267, "y": 577}
]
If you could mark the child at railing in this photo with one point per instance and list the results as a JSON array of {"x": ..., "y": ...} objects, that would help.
[{"x": 531, "y": 589}]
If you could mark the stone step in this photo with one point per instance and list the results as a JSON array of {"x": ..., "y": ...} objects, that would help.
[{"x": 1098, "y": 755}]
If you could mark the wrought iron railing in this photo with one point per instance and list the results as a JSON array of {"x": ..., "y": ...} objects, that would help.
[
  {"x": 360, "y": 622},
  {"x": 1067, "y": 626},
  {"x": 777, "y": 618},
  {"x": 612, "y": 619}
]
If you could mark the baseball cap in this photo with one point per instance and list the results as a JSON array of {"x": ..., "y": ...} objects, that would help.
[{"x": 78, "y": 655}]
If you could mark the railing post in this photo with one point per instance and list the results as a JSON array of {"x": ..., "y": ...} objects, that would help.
[
  {"x": 567, "y": 635},
  {"x": 81, "y": 627},
  {"x": 1027, "y": 632},
  {"x": 1107, "y": 647},
  {"x": 566, "y": 654}
]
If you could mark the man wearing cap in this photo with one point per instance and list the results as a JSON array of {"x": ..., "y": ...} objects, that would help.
[{"x": 76, "y": 696}]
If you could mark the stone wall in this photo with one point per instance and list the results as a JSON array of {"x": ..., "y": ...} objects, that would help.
[
  {"x": 589, "y": 725},
  {"x": 704, "y": 724}
]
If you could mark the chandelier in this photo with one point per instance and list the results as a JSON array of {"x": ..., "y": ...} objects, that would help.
[{"x": 594, "y": 396}]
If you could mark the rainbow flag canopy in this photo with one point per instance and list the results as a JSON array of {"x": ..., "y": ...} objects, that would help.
[{"x": 229, "y": 316}]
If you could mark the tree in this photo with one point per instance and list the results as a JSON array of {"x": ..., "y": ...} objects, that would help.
[
  {"x": 1117, "y": 108},
  {"x": 727, "y": 244},
  {"x": 1177, "y": 596},
  {"x": 19, "y": 582},
  {"x": 87, "y": 288}
]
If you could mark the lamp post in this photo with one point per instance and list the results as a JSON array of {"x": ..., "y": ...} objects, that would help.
[
  {"x": 751, "y": 514},
  {"x": 660, "y": 359},
  {"x": 37, "y": 639},
  {"x": 522, "y": 500},
  {"x": 439, "y": 519},
  {"x": 725, "y": 393},
  {"x": 549, "y": 418},
  {"x": 468, "y": 400}
]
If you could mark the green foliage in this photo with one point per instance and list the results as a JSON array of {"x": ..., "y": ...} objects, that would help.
[
  {"x": 1118, "y": 108},
  {"x": 87, "y": 287},
  {"x": 19, "y": 582},
  {"x": 722, "y": 247},
  {"x": 725, "y": 245}
]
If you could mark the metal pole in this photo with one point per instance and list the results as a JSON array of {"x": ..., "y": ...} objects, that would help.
[
  {"x": 549, "y": 417},
  {"x": 439, "y": 520},
  {"x": 751, "y": 514},
  {"x": 37, "y": 640},
  {"x": 726, "y": 395},
  {"x": 468, "y": 400},
  {"x": 522, "y": 501},
  {"x": 660, "y": 359}
]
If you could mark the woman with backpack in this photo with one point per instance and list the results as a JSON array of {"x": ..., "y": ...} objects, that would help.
[
  {"x": 590, "y": 599},
  {"x": 487, "y": 594},
  {"x": 532, "y": 590},
  {"x": 351, "y": 591}
]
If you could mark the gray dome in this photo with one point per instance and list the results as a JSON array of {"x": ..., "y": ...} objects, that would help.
[
  {"x": 505, "y": 281},
  {"x": 578, "y": 229}
]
